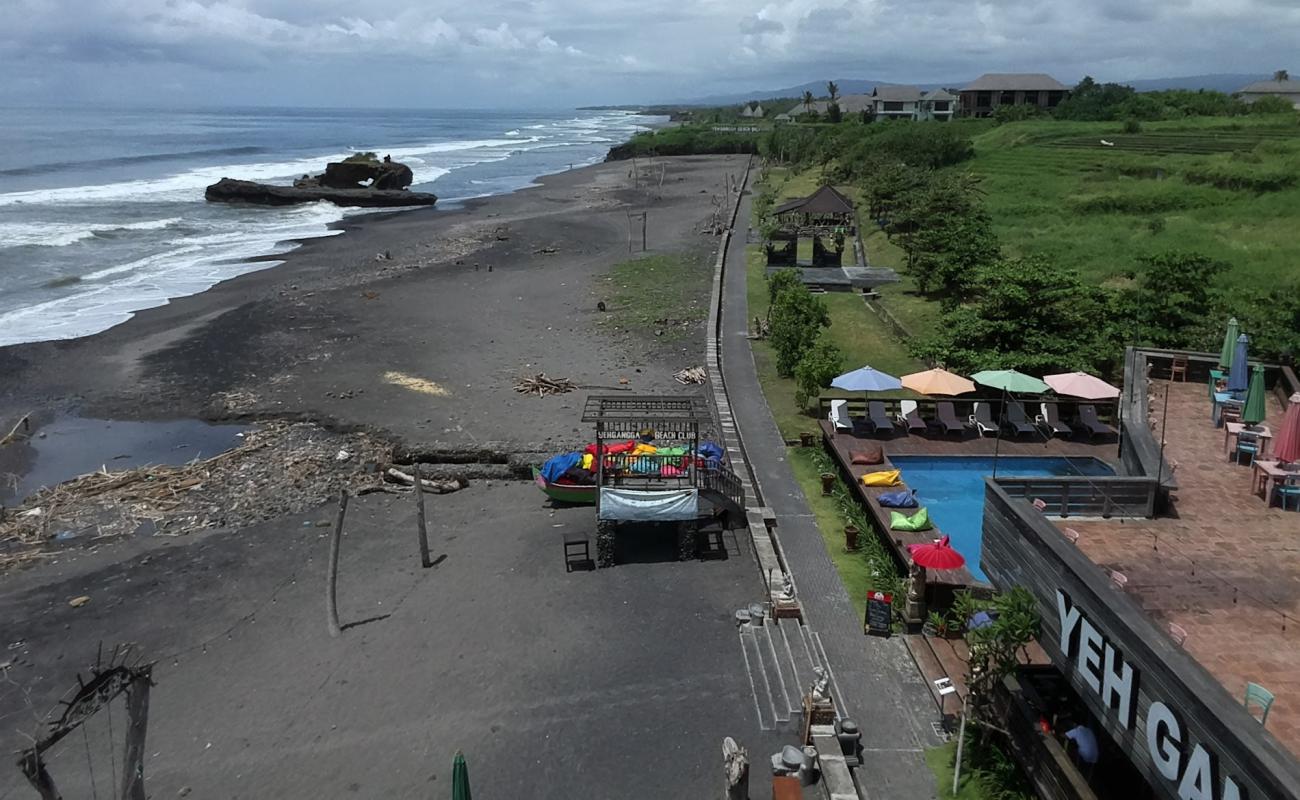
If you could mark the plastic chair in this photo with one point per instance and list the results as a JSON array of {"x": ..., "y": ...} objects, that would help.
[
  {"x": 1259, "y": 696},
  {"x": 1287, "y": 493},
  {"x": 1246, "y": 446}
]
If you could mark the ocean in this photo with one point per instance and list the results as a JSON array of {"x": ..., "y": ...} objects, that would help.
[{"x": 102, "y": 212}]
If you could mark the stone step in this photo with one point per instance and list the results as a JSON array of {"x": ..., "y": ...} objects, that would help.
[
  {"x": 758, "y": 679},
  {"x": 795, "y": 649},
  {"x": 777, "y": 674}
]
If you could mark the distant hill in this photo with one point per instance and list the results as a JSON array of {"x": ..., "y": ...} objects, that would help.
[{"x": 1219, "y": 82}]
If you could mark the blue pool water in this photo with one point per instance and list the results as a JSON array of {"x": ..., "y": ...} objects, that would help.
[{"x": 952, "y": 488}]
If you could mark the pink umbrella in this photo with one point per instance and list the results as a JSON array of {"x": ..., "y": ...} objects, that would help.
[
  {"x": 1286, "y": 447},
  {"x": 1081, "y": 384},
  {"x": 936, "y": 555}
]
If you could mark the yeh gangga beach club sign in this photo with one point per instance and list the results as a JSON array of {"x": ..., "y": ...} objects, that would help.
[{"x": 1191, "y": 767}]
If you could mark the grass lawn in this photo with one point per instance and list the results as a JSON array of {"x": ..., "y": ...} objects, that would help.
[
  {"x": 1054, "y": 190},
  {"x": 858, "y": 333},
  {"x": 975, "y": 784},
  {"x": 668, "y": 293}
]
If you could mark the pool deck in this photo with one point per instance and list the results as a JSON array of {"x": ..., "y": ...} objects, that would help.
[
  {"x": 841, "y": 446},
  {"x": 1227, "y": 566}
]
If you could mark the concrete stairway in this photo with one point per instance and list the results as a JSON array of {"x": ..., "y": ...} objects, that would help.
[{"x": 779, "y": 657}]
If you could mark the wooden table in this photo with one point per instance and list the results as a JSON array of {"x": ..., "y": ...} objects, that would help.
[
  {"x": 1267, "y": 474},
  {"x": 1232, "y": 430}
]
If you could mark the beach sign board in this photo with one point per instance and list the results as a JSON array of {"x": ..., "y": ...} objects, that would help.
[{"x": 880, "y": 612}]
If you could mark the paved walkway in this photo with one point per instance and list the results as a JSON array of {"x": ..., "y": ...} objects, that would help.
[{"x": 880, "y": 686}]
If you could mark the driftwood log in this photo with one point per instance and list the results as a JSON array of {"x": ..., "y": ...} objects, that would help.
[
  {"x": 12, "y": 436},
  {"x": 395, "y": 475},
  {"x": 542, "y": 385},
  {"x": 691, "y": 375}
]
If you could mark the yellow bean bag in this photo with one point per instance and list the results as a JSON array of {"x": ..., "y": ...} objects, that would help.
[
  {"x": 920, "y": 521},
  {"x": 887, "y": 477}
]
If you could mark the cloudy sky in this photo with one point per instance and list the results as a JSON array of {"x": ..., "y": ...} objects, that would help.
[{"x": 538, "y": 53}]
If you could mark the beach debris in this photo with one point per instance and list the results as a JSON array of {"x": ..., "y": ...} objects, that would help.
[
  {"x": 342, "y": 455},
  {"x": 600, "y": 306},
  {"x": 543, "y": 385},
  {"x": 78, "y": 602},
  {"x": 546, "y": 251},
  {"x": 280, "y": 468},
  {"x": 12, "y": 436},
  {"x": 370, "y": 295},
  {"x": 415, "y": 384},
  {"x": 690, "y": 375},
  {"x": 395, "y": 475}
]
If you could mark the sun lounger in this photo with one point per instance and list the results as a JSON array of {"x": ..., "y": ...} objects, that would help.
[
  {"x": 910, "y": 418},
  {"x": 878, "y": 417},
  {"x": 1090, "y": 424},
  {"x": 1050, "y": 420},
  {"x": 839, "y": 415},
  {"x": 982, "y": 421},
  {"x": 862, "y": 426},
  {"x": 1017, "y": 419},
  {"x": 947, "y": 419}
]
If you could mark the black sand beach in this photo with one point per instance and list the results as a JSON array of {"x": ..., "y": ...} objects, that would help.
[{"x": 617, "y": 683}]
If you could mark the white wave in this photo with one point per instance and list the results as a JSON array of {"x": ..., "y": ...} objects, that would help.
[
  {"x": 109, "y": 296},
  {"x": 61, "y": 234},
  {"x": 514, "y": 132},
  {"x": 189, "y": 185}
]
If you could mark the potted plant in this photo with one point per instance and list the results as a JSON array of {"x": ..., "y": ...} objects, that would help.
[
  {"x": 935, "y": 624},
  {"x": 828, "y": 483},
  {"x": 806, "y": 439},
  {"x": 851, "y": 537}
]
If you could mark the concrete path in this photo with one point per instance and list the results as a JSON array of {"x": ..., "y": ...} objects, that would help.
[{"x": 880, "y": 687}]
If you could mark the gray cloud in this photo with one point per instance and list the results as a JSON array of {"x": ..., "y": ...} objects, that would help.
[{"x": 553, "y": 52}]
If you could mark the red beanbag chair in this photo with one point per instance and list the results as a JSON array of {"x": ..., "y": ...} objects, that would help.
[{"x": 871, "y": 455}]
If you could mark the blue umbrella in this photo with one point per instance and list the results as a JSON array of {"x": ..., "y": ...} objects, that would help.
[
  {"x": 1086, "y": 741},
  {"x": 866, "y": 379},
  {"x": 1239, "y": 375}
]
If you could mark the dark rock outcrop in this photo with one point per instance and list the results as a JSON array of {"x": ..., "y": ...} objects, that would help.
[
  {"x": 360, "y": 180},
  {"x": 229, "y": 190}
]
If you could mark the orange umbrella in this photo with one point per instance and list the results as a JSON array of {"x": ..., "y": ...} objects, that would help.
[{"x": 937, "y": 381}]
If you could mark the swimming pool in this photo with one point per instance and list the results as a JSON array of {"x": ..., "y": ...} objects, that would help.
[{"x": 952, "y": 488}]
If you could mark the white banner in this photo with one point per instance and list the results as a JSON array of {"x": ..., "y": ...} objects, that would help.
[{"x": 639, "y": 505}]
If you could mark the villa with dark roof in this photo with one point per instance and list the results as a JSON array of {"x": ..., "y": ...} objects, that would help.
[{"x": 991, "y": 90}]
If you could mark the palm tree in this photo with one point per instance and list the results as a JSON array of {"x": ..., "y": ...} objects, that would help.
[
  {"x": 832, "y": 90},
  {"x": 1281, "y": 75},
  {"x": 807, "y": 102}
]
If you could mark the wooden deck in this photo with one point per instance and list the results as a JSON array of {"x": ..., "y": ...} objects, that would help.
[{"x": 841, "y": 445}]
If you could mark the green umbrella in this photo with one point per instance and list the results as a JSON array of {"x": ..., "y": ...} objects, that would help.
[
  {"x": 1009, "y": 380},
  {"x": 1253, "y": 413},
  {"x": 1229, "y": 343},
  {"x": 459, "y": 778}
]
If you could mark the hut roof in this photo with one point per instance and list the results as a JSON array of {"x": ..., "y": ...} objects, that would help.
[
  {"x": 823, "y": 201},
  {"x": 1290, "y": 86},
  {"x": 906, "y": 94}
]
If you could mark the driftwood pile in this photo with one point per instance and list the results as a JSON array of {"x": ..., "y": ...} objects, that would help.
[
  {"x": 542, "y": 385},
  {"x": 280, "y": 468},
  {"x": 690, "y": 375}
]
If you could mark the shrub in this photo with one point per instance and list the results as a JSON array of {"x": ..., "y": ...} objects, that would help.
[
  {"x": 1242, "y": 177},
  {"x": 797, "y": 320},
  {"x": 1131, "y": 125},
  {"x": 1271, "y": 104},
  {"x": 817, "y": 369},
  {"x": 1156, "y": 225},
  {"x": 1014, "y": 113}
]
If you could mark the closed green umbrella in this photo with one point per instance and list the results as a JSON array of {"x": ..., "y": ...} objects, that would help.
[
  {"x": 459, "y": 778},
  {"x": 1229, "y": 344},
  {"x": 1253, "y": 412}
]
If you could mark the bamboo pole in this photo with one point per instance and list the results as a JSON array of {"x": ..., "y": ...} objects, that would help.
[
  {"x": 137, "y": 707},
  {"x": 331, "y": 583},
  {"x": 419, "y": 517}
]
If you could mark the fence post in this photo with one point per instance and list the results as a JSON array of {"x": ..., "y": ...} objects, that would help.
[{"x": 331, "y": 596}]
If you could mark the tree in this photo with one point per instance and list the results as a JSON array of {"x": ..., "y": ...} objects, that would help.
[
  {"x": 817, "y": 369},
  {"x": 778, "y": 282},
  {"x": 1094, "y": 101},
  {"x": 1025, "y": 314},
  {"x": 833, "y": 90},
  {"x": 808, "y": 102},
  {"x": 1174, "y": 298},
  {"x": 797, "y": 320},
  {"x": 1271, "y": 104},
  {"x": 1281, "y": 75},
  {"x": 833, "y": 113}
]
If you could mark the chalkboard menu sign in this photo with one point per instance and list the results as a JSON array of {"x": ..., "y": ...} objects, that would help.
[{"x": 880, "y": 612}]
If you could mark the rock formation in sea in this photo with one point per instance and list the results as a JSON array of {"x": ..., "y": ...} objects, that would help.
[{"x": 359, "y": 180}]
